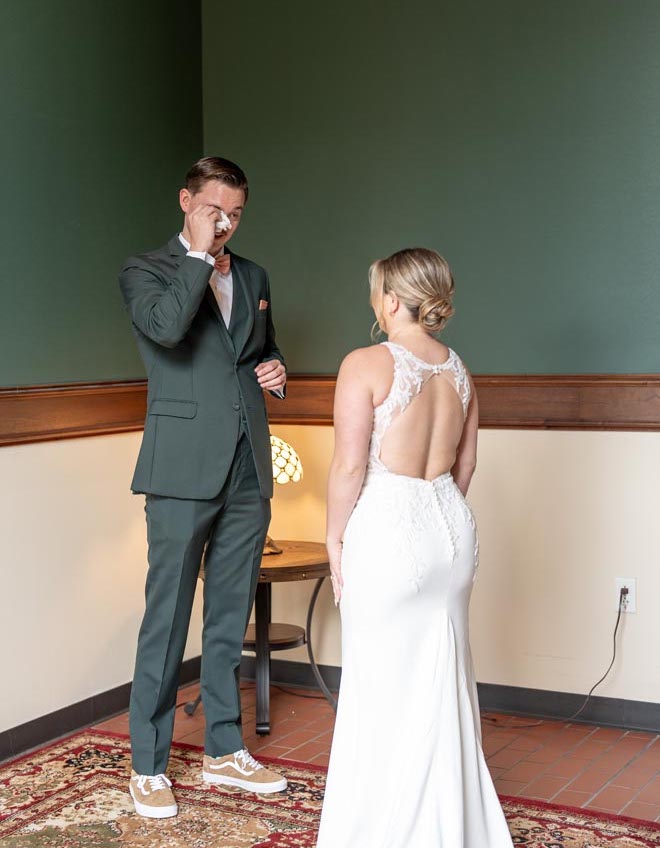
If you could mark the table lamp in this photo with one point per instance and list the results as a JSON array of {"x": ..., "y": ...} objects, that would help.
[{"x": 287, "y": 468}]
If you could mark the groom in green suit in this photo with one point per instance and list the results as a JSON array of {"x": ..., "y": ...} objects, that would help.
[{"x": 203, "y": 323}]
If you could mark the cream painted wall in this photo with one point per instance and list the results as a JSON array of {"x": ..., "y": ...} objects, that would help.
[
  {"x": 73, "y": 564},
  {"x": 561, "y": 514}
]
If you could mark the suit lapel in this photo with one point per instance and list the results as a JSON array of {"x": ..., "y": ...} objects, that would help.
[{"x": 241, "y": 325}]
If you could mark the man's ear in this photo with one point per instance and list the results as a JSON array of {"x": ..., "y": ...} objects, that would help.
[{"x": 184, "y": 199}]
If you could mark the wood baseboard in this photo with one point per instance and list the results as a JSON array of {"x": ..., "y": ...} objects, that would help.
[{"x": 507, "y": 401}]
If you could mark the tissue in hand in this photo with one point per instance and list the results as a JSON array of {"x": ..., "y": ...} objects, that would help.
[{"x": 224, "y": 224}]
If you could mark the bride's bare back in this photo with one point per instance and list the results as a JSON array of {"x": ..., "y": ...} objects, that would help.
[{"x": 421, "y": 401}]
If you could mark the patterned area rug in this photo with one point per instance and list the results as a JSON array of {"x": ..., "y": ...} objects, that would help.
[{"x": 73, "y": 795}]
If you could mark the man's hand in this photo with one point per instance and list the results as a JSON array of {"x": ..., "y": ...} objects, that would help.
[
  {"x": 271, "y": 375},
  {"x": 201, "y": 225}
]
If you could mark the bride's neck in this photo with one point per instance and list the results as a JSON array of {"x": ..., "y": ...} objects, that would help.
[{"x": 406, "y": 333}]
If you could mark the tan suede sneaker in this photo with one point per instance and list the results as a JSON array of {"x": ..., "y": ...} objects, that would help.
[
  {"x": 242, "y": 770},
  {"x": 152, "y": 796}
]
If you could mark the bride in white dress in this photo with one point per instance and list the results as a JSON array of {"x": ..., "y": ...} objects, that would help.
[{"x": 406, "y": 769}]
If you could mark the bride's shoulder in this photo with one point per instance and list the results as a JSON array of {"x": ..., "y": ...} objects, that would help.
[
  {"x": 372, "y": 357},
  {"x": 366, "y": 372}
]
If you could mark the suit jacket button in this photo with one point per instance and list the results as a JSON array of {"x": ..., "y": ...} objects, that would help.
[{"x": 236, "y": 406}]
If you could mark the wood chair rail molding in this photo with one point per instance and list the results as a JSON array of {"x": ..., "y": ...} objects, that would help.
[{"x": 530, "y": 402}]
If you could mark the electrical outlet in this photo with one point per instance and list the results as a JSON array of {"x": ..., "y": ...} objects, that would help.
[{"x": 629, "y": 603}]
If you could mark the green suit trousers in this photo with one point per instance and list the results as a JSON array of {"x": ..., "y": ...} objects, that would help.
[{"x": 228, "y": 531}]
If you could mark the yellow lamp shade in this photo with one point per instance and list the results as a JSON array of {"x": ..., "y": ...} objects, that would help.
[{"x": 286, "y": 462}]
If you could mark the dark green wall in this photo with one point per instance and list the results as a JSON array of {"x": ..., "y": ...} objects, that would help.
[
  {"x": 101, "y": 114},
  {"x": 521, "y": 138}
]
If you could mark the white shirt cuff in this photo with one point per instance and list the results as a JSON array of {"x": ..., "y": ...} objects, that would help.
[{"x": 198, "y": 254}]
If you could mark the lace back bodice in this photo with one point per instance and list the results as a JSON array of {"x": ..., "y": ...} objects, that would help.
[{"x": 410, "y": 376}]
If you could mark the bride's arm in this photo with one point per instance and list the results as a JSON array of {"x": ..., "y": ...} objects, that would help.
[
  {"x": 353, "y": 420},
  {"x": 466, "y": 455}
]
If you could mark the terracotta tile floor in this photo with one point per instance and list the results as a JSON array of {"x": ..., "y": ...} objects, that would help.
[{"x": 580, "y": 765}]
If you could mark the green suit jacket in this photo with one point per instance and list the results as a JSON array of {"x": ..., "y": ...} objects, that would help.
[{"x": 201, "y": 378}]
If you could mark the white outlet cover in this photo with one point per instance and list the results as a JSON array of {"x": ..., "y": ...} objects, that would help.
[{"x": 631, "y": 583}]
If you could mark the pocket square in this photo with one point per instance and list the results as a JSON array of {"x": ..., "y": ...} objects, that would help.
[{"x": 263, "y": 304}]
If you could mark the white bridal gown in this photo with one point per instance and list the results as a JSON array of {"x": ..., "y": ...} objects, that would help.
[{"x": 406, "y": 768}]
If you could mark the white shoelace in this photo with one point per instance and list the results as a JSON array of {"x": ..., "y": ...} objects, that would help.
[
  {"x": 158, "y": 781},
  {"x": 247, "y": 759}
]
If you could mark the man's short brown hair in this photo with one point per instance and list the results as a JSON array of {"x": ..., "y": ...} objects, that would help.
[{"x": 215, "y": 168}]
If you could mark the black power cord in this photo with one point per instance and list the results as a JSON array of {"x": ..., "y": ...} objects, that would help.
[
  {"x": 300, "y": 694},
  {"x": 511, "y": 724},
  {"x": 622, "y": 594},
  {"x": 494, "y": 720}
]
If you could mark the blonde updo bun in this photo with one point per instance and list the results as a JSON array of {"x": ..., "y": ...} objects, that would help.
[
  {"x": 434, "y": 313},
  {"x": 422, "y": 281}
]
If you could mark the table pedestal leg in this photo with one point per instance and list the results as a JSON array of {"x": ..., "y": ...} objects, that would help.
[
  {"x": 310, "y": 651},
  {"x": 262, "y": 663}
]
